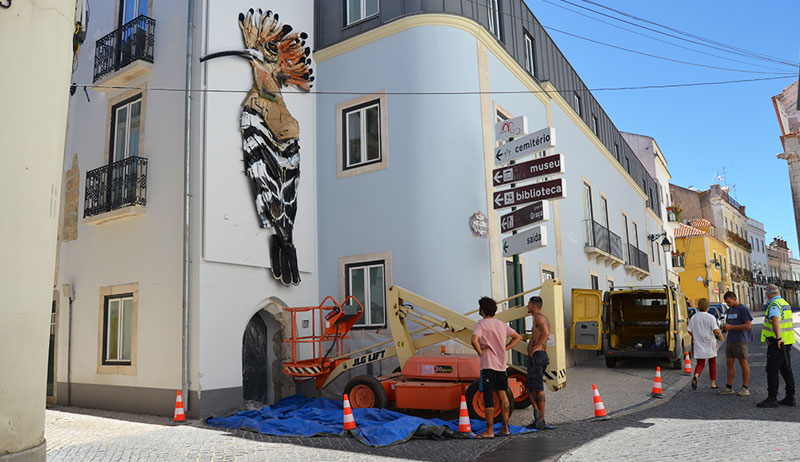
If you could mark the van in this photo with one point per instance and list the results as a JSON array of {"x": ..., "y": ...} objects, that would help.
[{"x": 632, "y": 322}]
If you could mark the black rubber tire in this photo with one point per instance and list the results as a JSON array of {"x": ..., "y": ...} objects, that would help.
[
  {"x": 378, "y": 392},
  {"x": 472, "y": 390},
  {"x": 611, "y": 361},
  {"x": 525, "y": 403},
  {"x": 677, "y": 363}
]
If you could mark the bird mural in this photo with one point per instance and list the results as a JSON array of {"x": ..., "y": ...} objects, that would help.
[{"x": 270, "y": 135}]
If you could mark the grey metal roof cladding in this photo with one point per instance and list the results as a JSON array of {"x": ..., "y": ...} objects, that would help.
[{"x": 516, "y": 19}]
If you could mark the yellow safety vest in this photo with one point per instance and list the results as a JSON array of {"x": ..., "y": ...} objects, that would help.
[{"x": 785, "y": 324}]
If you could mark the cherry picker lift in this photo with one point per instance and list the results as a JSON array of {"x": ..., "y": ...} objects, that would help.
[{"x": 423, "y": 381}]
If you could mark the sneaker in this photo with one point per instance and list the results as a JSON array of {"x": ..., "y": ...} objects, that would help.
[
  {"x": 787, "y": 402},
  {"x": 769, "y": 402},
  {"x": 726, "y": 391},
  {"x": 744, "y": 392}
]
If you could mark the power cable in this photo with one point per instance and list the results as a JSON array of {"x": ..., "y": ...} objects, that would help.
[
  {"x": 688, "y": 63},
  {"x": 447, "y": 93},
  {"x": 727, "y": 50},
  {"x": 658, "y": 39},
  {"x": 743, "y": 50}
]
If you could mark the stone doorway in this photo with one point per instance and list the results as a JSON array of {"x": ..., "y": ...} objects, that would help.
[{"x": 263, "y": 355}]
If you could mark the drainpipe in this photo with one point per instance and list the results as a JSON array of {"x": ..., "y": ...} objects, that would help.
[{"x": 187, "y": 153}]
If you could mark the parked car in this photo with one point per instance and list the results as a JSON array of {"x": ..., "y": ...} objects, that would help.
[{"x": 719, "y": 312}]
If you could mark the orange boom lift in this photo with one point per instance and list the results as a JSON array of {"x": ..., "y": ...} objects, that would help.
[{"x": 423, "y": 381}]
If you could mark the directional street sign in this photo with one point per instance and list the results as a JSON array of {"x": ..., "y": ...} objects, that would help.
[
  {"x": 549, "y": 165},
  {"x": 510, "y": 128},
  {"x": 553, "y": 189},
  {"x": 525, "y": 241},
  {"x": 534, "y": 213},
  {"x": 526, "y": 145}
]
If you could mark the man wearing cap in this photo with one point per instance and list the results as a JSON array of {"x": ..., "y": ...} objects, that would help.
[{"x": 778, "y": 333}]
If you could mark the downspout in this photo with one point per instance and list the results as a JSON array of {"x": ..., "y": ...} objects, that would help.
[{"x": 187, "y": 153}]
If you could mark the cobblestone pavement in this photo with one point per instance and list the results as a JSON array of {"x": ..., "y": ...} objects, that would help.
[{"x": 686, "y": 423}]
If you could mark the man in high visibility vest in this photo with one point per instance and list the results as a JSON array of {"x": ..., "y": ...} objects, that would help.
[{"x": 778, "y": 333}]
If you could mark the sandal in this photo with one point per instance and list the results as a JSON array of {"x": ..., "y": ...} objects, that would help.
[
  {"x": 694, "y": 383},
  {"x": 715, "y": 388}
]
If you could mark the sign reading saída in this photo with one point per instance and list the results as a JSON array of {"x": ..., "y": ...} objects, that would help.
[
  {"x": 553, "y": 189},
  {"x": 529, "y": 239},
  {"x": 534, "y": 213},
  {"x": 549, "y": 165}
]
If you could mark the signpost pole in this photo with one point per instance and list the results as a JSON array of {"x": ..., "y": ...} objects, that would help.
[{"x": 519, "y": 324}]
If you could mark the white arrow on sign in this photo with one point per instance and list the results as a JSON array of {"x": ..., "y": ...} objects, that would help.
[
  {"x": 525, "y": 241},
  {"x": 529, "y": 144}
]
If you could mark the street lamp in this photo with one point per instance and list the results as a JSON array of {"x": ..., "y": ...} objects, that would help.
[{"x": 666, "y": 246}]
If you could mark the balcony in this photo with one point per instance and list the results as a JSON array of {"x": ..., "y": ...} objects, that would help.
[
  {"x": 603, "y": 245},
  {"x": 115, "y": 191},
  {"x": 636, "y": 264},
  {"x": 739, "y": 240},
  {"x": 733, "y": 202},
  {"x": 791, "y": 285},
  {"x": 773, "y": 280},
  {"x": 125, "y": 54}
]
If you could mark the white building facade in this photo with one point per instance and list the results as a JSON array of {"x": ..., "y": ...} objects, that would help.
[
  {"x": 759, "y": 263},
  {"x": 392, "y": 167}
]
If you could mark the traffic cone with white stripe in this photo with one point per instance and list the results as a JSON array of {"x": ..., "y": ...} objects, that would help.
[
  {"x": 463, "y": 417},
  {"x": 179, "y": 414},
  {"x": 599, "y": 409},
  {"x": 687, "y": 365},
  {"x": 349, "y": 421},
  {"x": 656, "y": 393}
]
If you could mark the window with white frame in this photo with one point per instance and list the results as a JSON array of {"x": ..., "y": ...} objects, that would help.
[
  {"x": 126, "y": 124},
  {"x": 576, "y": 98},
  {"x": 616, "y": 152},
  {"x": 358, "y": 10},
  {"x": 494, "y": 18},
  {"x": 366, "y": 281},
  {"x": 595, "y": 125},
  {"x": 530, "y": 62},
  {"x": 362, "y": 134},
  {"x": 118, "y": 330}
]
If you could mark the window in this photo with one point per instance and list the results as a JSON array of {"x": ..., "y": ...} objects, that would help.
[
  {"x": 588, "y": 214},
  {"x": 360, "y": 9},
  {"x": 616, "y": 152},
  {"x": 131, "y": 9},
  {"x": 635, "y": 235},
  {"x": 361, "y": 130},
  {"x": 494, "y": 18},
  {"x": 126, "y": 123},
  {"x": 628, "y": 165},
  {"x": 604, "y": 212},
  {"x": 548, "y": 274},
  {"x": 609, "y": 284},
  {"x": 595, "y": 282},
  {"x": 595, "y": 125},
  {"x": 530, "y": 56},
  {"x": 118, "y": 330},
  {"x": 576, "y": 98},
  {"x": 366, "y": 282}
]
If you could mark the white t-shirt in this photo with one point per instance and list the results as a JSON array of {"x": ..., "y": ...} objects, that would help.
[{"x": 702, "y": 326}]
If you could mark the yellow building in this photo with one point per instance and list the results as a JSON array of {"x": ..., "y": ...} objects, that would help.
[{"x": 706, "y": 269}]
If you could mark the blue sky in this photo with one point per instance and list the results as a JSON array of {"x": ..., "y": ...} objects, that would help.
[{"x": 699, "y": 129}]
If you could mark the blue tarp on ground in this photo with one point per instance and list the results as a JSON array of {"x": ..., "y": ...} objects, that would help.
[{"x": 301, "y": 416}]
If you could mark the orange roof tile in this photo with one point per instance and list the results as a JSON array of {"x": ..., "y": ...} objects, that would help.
[
  {"x": 700, "y": 223},
  {"x": 689, "y": 231}
]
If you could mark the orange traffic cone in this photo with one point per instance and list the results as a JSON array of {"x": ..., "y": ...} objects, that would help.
[
  {"x": 463, "y": 418},
  {"x": 349, "y": 421},
  {"x": 656, "y": 393},
  {"x": 599, "y": 409},
  {"x": 179, "y": 414},
  {"x": 687, "y": 365}
]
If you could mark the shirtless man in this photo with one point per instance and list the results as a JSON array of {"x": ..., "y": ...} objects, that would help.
[{"x": 537, "y": 361}]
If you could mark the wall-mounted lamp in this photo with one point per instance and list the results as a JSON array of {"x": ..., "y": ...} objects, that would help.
[
  {"x": 666, "y": 245},
  {"x": 703, "y": 280},
  {"x": 68, "y": 291}
]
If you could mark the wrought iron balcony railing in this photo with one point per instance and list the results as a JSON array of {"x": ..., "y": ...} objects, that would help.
[
  {"x": 114, "y": 186},
  {"x": 637, "y": 258},
  {"x": 133, "y": 41},
  {"x": 739, "y": 240},
  {"x": 600, "y": 237}
]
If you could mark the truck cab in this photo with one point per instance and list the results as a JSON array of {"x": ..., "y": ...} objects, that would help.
[{"x": 632, "y": 322}]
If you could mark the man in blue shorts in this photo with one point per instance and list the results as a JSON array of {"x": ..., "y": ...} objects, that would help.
[{"x": 537, "y": 361}]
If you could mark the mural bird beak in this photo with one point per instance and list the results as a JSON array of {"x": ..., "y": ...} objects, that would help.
[{"x": 248, "y": 53}]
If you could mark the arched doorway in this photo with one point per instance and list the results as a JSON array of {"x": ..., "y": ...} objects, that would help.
[{"x": 255, "y": 361}]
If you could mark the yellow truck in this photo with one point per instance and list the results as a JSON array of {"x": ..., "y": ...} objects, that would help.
[{"x": 632, "y": 322}]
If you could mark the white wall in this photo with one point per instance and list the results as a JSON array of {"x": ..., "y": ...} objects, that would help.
[{"x": 33, "y": 114}]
